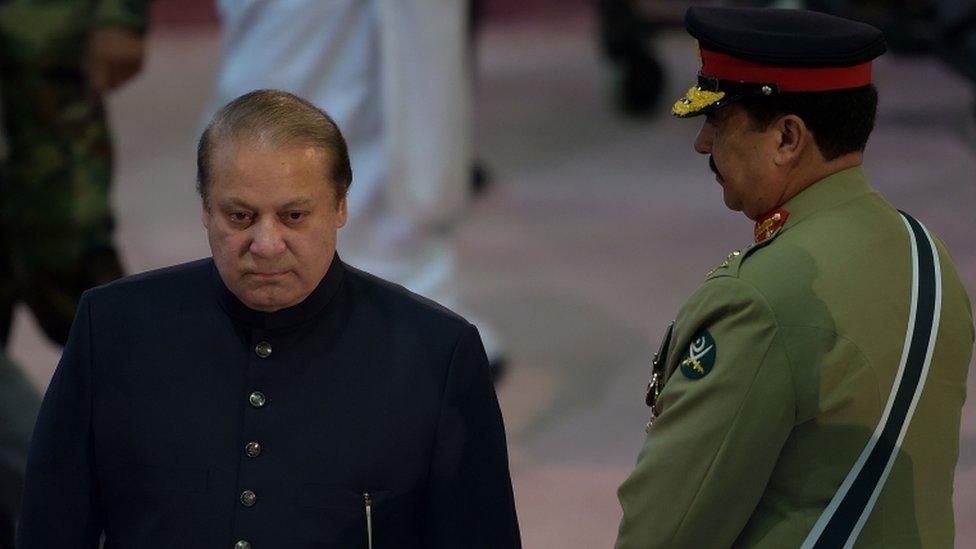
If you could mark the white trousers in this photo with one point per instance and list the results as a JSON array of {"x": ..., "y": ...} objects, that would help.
[{"x": 394, "y": 76}]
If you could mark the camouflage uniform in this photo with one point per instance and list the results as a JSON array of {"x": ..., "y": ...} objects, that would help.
[
  {"x": 56, "y": 238},
  {"x": 55, "y": 218}
]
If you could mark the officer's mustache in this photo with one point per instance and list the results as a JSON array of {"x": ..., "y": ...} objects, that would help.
[{"x": 711, "y": 164}]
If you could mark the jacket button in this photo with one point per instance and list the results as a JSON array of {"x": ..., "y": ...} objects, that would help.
[
  {"x": 248, "y": 498},
  {"x": 263, "y": 349},
  {"x": 253, "y": 449},
  {"x": 243, "y": 544},
  {"x": 257, "y": 399}
]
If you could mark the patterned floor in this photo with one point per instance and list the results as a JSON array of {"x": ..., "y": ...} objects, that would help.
[{"x": 597, "y": 230}]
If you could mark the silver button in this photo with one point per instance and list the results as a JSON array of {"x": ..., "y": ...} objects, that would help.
[
  {"x": 257, "y": 399},
  {"x": 248, "y": 498},
  {"x": 243, "y": 544},
  {"x": 263, "y": 349},
  {"x": 253, "y": 449}
]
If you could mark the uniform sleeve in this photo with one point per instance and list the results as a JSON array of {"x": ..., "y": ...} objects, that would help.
[
  {"x": 710, "y": 453},
  {"x": 469, "y": 498},
  {"x": 126, "y": 14},
  {"x": 60, "y": 506}
]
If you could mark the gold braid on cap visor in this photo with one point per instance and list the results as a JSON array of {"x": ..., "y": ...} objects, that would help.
[{"x": 695, "y": 100}]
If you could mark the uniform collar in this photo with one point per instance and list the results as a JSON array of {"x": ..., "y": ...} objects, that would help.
[
  {"x": 825, "y": 194},
  {"x": 297, "y": 314}
]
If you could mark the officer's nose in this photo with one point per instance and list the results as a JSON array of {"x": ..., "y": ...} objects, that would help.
[
  {"x": 268, "y": 239},
  {"x": 703, "y": 143}
]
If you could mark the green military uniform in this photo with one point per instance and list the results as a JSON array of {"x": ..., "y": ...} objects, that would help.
[
  {"x": 809, "y": 392},
  {"x": 806, "y": 330},
  {"x": 56, "y": 221}
]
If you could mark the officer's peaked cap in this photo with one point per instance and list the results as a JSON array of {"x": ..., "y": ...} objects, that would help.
[{"x": 765, "y": 51}]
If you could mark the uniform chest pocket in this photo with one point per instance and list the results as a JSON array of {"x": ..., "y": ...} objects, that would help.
[{"x": 370, "y": 518}]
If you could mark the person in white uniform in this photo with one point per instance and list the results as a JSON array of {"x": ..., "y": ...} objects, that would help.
[{"x": 394, "y": 75}]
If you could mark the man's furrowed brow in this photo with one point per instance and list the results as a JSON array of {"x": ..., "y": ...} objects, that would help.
[
  {"x": 297, "y": 203},
  {"x": 236, "y": 202}
]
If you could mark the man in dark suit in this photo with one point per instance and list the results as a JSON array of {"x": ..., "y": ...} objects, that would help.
[{"x": 269, "y": 397}]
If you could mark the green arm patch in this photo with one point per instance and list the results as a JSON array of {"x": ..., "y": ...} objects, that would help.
[{"x": 699, "y": 359}]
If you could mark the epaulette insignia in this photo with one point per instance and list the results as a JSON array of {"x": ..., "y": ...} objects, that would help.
[
  {"x": 725, "y": 264},
  {"x": 700, "y": 357},
  {"x": 768, "y": 225}
]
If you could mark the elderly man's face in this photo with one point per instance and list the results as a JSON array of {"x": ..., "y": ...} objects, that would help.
[
  {"x": 742, "y": 159},
  {"x": 271, "y": 221}
]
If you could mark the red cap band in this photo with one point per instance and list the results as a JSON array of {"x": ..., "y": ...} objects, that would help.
[{"x": 789, "y": 79}]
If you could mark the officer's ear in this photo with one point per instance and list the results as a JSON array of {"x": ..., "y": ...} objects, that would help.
[{"x": 793, "y": 138}]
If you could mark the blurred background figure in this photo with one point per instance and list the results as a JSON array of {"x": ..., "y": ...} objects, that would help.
[
  {"x": 627, "y": 28},
  {"x": 480, "y": 174},
  {"x": 19, "y": 403},
  {"x": 57, "y": 60},
  {"x": 945, "y": 29},
  {"x": 395, "y": 76}
]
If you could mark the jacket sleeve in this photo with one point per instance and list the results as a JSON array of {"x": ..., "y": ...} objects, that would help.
[
  {"x": 60, "y": 507},
  {"x": 469, "y": 495},
  {"x": 710, "y": 453}
]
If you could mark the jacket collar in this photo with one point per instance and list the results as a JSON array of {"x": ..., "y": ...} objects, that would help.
[
  {"x": 825, "y": 194},
  {"x": 297, "y": 314}
]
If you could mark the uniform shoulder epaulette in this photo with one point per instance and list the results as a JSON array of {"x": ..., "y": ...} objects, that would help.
[{"x": 766, "y": 229}]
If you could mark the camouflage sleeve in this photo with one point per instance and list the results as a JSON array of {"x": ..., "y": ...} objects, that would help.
[
  {"x": 726, "y": 410},
  {"x": 127, "y": 14}
]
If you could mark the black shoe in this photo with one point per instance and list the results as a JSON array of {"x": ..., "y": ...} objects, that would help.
[
  {"x": 480, "y": 178},
  {"x": 497, "y": 367}
]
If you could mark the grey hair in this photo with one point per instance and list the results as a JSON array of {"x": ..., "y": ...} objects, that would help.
[{"x": 279, "y": 119}]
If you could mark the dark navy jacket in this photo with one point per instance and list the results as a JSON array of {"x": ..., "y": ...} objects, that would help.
[{"x": 368, "y": 389}]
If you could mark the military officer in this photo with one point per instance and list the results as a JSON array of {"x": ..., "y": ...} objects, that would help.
[{"x": 808, "y": 394}]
